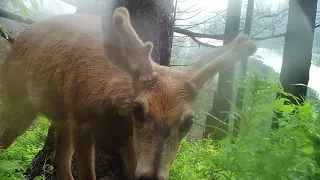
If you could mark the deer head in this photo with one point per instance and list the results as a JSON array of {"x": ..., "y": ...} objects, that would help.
[{"x": 162, "y": 111}]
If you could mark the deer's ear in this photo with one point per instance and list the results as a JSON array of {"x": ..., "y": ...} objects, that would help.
[{"x": 221, "y": 58}]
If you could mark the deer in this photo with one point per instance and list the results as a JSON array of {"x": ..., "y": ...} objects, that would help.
[{"x": 92, "y": 75}]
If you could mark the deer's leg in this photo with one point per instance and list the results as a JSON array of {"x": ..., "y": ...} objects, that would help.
[
  {"x": 14, "y": 121},
  {"x": 129, "y": 163},
  {"x": 63, "y": 150},
  {"x": 84, "y": 150}
]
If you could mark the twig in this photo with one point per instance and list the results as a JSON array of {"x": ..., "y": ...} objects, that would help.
[
  {"x": 195, "y": 34},
  {"x": 202, "y": 43}
]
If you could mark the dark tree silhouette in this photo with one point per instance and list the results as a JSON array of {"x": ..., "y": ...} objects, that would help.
[
  {"x": 225, "y": 83},
  {"x": 297, "y": 53},
  {"x": 152, "y": 20},
  {"x": 244, "y": 63}
]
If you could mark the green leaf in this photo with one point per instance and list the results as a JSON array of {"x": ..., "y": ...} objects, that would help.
[
  {"x": 4, "y": 32},
  {"x": 23, "y": 9},
  {"x": 287, "y": 109},
  {"x": 278, "y": 103},
  {"x": 1, "y": 28},
  {"x": 7, "y": 166},
  {"x": 34, "y": 4}
]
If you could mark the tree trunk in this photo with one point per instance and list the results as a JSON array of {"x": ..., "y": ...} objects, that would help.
[
  {"x": 108, "y": 165},
  {"x": 225, "y": 83},
  {"x": 243, "y": 65},
  {"x": 152, "y": 19},
  {"x": 297, "y": 53}
]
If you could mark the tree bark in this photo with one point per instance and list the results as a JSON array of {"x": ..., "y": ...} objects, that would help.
[
  {"x": 243, "y": 65},
  {"x": 297, "y": 53},
  {"x": 225, "y": 83},
  {"x": 152, "y": 19},
  {"x": 108, "y": 165}
]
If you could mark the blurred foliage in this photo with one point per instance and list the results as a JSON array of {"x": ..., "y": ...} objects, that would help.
[
  {"x": 316, "y": 60},
  {"x": 24, "y": 10}
]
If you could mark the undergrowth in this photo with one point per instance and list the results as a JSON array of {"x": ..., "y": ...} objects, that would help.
[
  {"x": 258, "y": 152},
  {"x": 15, "y": 160}
]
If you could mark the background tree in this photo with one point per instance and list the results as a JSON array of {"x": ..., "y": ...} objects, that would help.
[
  {"x": 225, "y": 83},
  {"x": 243, "y": 64},
  {"x": 297, "y": 54}
]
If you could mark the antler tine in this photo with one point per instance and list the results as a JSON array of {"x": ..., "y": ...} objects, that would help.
[
  {"x": 241, "y": 48},
  {"x": 112, "y": 48},
  {"x": 138, "y": 53}
]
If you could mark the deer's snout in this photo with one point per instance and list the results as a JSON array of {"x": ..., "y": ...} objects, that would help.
[{"x": 150, "y": 176}]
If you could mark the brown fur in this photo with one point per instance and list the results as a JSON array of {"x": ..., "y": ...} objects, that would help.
[{"x": 58, "y": 68}]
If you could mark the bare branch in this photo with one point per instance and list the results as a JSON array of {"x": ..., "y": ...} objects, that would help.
[
  {"x": 193, "y": 15},
  {"x": 269, "y": 37},
  {"x": 187, "y": 10},
  {"x": 195, "y": 34},
  {"x": 14, "y": 17},
  {"x": 202, "y": 44},
  {"x": 273, "y": 15}
]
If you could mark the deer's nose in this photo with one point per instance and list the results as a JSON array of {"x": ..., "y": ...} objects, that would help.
[{"x": 148, "y": 178}]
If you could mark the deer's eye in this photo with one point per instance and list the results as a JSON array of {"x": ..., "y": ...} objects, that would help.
[
  {"x": 138, "y": 111},
  {"x": 186, "y": 126}
]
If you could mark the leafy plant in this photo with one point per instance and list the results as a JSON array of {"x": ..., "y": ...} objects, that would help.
[
  {"x": 258, "y": 152},
  {"x": 15, "y": 160},
  {"x": 24, "y": 11}
]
